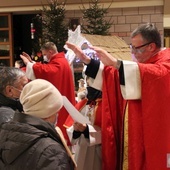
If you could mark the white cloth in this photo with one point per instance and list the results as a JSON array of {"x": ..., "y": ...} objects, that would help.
[
  {"x": 30, "y": 72},
  {"x": 132, "y": 88}
]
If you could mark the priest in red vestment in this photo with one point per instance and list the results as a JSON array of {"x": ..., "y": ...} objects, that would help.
[
  {"x": 57, "y": 71},
  {"x": 144, "y": 84},
  {"x": 146, "y": 87}
]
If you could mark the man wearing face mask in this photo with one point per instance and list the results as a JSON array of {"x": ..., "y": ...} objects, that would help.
[
  {"x": 30, "y": 141},
  {"x": 12, "y": 81},
  {"x": 145, "y": 87},
  {"x": 57, "y": 71}
]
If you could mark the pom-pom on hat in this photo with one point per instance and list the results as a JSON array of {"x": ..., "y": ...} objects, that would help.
[{"x": 41, "y": 99}]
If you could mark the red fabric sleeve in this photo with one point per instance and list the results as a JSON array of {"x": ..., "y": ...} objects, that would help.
[{"x": 112, "y": 119}]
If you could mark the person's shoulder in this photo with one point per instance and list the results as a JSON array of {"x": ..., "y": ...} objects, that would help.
[
  {"x": 6, "y": 109},
  {"x": 6, "y": 114},
  {"x": 52, "y": 150},
  {"x": 60, "y": 59},
  {"x": 52, "y": 144},
  {"x": 48, "y": 143}
]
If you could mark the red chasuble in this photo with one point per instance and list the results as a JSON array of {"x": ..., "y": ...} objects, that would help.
[
  {"x": 149, "y": 118},
  {"x": 59, "y": 73},
  {"x": 112, "y": 120}
]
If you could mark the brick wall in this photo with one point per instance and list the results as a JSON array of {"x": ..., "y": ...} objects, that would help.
[{"x": 127, "y": 19}]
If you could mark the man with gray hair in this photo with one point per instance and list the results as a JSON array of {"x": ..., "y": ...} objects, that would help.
[
  {"x": 135, "y": 98},
  {"x": 30, "y": 141},
  {"x": 12, "y": 81}
]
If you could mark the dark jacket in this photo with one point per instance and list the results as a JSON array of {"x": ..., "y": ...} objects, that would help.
[
  {"x": 7, "y": 108},
  {"x": 28, "y": 143}
]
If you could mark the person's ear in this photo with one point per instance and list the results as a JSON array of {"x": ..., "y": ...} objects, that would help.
[
  {"x": 8, "y": 91},
  {"x": 152, "y": 47},
  {"x": 45, "y": 119},
  {"x": 51, "y": 52}
]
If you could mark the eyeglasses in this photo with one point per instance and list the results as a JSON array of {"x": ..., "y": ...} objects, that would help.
[{"x": 138, "y": 48}]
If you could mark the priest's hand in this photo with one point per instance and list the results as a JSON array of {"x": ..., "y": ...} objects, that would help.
[
  {"x": 106, "y": 58},
  {"x": 79, "y": 53},
  {"x": 25, "y": 60},
  {"x": 27, "y": 56}
]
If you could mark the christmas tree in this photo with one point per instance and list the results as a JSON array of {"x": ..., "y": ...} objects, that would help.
[
  {"x": 53, "y": 26},
  {"x": 95, "y": 19}
]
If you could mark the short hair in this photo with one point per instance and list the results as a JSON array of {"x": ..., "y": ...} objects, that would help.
[
  {"x": 49, "y": 46},
  {"x": 149, "y": 33},
  {"x": 9, "y": 76},
  {"x": 20, "y": 62}
]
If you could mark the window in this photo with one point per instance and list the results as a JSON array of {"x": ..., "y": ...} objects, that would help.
[{"x": 6, "y": 40}]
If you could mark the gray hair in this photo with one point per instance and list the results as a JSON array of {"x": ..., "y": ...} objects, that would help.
[
  {"x": 9, "y": 76},
  {"x": 49, "y": 46},
  {"x": 149, "y": 33}
]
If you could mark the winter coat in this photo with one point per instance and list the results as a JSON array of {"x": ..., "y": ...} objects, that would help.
[
  {"x": 8, "y": 107},
  {"x": 28, "y": 143}
]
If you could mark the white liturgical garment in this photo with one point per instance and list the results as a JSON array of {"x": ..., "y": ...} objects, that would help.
[{"x": 132, "y": 88}]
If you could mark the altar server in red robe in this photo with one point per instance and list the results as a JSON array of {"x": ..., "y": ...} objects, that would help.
[
  {"x": 144, "y": 85},
  {"x": 86, "y": 137},
  {"x": 57, "y": 71}
]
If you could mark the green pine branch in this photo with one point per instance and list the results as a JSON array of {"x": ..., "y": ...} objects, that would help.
[{"x": 95, "y": 17}]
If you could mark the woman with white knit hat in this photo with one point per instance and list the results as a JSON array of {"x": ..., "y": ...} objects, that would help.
[{"x": 30, "y": 141}]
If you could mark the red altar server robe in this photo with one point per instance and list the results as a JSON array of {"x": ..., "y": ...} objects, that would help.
[{"x": 59, "y": 73}]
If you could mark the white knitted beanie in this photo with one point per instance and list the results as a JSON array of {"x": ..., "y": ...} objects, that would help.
[{"x": 41, "y": 99}]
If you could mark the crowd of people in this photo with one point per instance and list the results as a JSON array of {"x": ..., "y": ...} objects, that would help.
[{"x": 126, "y": 104}]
